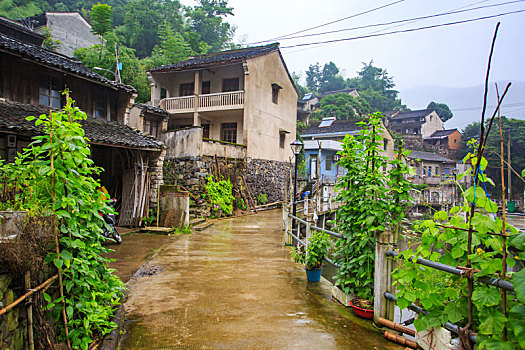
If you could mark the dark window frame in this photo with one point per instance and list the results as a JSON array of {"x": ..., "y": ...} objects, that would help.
[
  {"x": 100, "y": 105},
  {"x": 230, "y": 84},
  {"x": 229, "y": 132},
  {"x": 206, "y": 87},
  {"x": 186, "y": 89},
  {"x": 275, "y": 93},
  {"x": 49, "y": 94}
]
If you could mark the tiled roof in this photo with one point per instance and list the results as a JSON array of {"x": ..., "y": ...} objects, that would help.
[
  {"x": 151, "y": 108},
  {"x": 428, "y": 156},
  {"x": 57, "y": 60},
  {"x": 411, "y": 114},
  {"x": 338, "y": 126},
  {"x": 335, "y": 92},
  {"x": 404, "y": 126},
  {"x": 219, "y": 57},
  {"x": 439, "y": 134},
  {"x": 98, "y": 130}
]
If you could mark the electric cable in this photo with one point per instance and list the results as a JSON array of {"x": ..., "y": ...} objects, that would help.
[{"x": 405, "y": 30}]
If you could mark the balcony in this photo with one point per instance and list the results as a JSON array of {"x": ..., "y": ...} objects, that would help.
[{"x": 212, "y": 102}]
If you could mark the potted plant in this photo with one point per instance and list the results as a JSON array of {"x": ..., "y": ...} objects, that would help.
[{"x": 313, "y": 257}]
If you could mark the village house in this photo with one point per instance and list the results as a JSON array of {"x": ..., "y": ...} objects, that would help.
[
  {"x": 423, "y": 122},
  {"x": 31, "y": 83},
  {"x": 70, "y": 28},
  {"x": 310, "y": 102},
  {"x": 436, "y": 177},
  {"x": 324, "y": 140},
  {"x": 449, "y": 139},
  {"x": 237, "y": 105}
]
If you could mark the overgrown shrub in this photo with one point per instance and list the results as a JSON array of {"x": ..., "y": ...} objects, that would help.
[{"x": 220, "y": 193}]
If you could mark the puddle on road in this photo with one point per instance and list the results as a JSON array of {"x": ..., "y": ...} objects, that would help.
[{"x": 224, "y": 289}]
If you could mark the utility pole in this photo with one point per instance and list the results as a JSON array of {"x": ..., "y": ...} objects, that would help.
[{"x": 509, "y": 165}]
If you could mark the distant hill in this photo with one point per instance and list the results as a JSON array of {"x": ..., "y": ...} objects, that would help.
[{"x": 466, "y": 102}]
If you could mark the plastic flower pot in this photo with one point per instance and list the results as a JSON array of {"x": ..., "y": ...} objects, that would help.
[
  {"x": 313, "y": 275},
  {"x": 363, "y": 313}
]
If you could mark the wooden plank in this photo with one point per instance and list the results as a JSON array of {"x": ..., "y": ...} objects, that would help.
[
  {"x": 126, "y": 213},
  {"x": 249, "y": 194}
]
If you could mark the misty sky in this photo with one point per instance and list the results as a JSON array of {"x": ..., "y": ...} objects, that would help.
[{"x": 453, "y": 56}]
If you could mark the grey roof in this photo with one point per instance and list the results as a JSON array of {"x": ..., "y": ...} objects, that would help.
[
  {"x": 335, "y": 92},
  {"x": 404, "y": 126},
  {"x": 151, "y": 108},
  {"x": 13, "y": 119},
  {"x": 56, "y": 60},
  {"x": 219, "y": 57},
  {"x": 428, "y": 156},
  {"x": 411, "y": 114},
  {"x": 439, "y": 134},
  {"x": 338, "y": 126}
]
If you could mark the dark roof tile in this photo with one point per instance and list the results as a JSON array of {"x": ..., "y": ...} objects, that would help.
[
  {"x": 219, "y": 57},
  {"x": 439, "y": 134},
  {"x": 428, "y": 156},
  {"x": 151, "y": 108},
  {"x": 13, "y": 118},
  {"x": 57, "y": 60},
  {"x": 411, "y": 114},
  {"x": 338, "y": 126}
]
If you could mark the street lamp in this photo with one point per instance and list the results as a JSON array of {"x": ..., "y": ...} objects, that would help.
[{"x": 296, "y": 146}]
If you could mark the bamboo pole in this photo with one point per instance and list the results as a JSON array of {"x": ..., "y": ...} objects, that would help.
[
  {"x": 26, "y": 295},
  {"x": 31, "y": 340},
  {"x": 249, "y": 194},
  {"x": 158, "y": 203},
  {"x": 396, "y": 326},
  {"x": 55, "y": 234},
  {"x": 504, "y": 218}
]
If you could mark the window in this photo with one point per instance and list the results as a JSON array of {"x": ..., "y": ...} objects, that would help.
[
  {"x": 187, "y": 89},
  {"x": 230, "y": 85},
  {"x": 206, "y": 131},
  {"x": 205, "y": 87},
  {"x": 163, "y": 93},
  {"x": 229, "y": 132},
  {"x": 328, "y": 163},
  {"x": 49, "y": 94},
  {"x": 282, "y": 139},
  {"x": 385, "y": 144},
  {"x": 152, "y": 127},
  {"x": 436, "y": 171},
  {"x": 100, "y": 107},
  {"x": 275, "y": 93}
]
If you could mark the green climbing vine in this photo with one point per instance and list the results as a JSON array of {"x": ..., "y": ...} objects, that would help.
[
  {"x": 375, "y": 194},
  {"x": 58, "y": 177},
  {"x": 445, "y": 239}
]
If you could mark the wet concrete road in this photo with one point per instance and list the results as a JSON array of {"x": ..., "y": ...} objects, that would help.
[{"x": 234, "y": 286}]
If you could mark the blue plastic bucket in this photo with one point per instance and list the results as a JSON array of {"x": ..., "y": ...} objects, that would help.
[{"x": 313, "y": 275}]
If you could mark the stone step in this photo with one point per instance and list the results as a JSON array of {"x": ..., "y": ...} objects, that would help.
[
  {"x": 197, "y": 221},
  {"x": 203, "y": 226}
]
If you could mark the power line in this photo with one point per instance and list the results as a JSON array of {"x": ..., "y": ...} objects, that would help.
[
  {"x": 332, "y": 22},
  {"x": 452, "y": 12},
  {"x": 404, "y": 30},
  {"x": 510, "y": 105}
]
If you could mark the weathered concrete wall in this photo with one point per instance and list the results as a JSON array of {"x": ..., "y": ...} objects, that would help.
[
  {"x": 13, "y": 325},
  {"x": 183, "y": 143},
  {"x": 212, "y": 148},
  {"x": 136, "y": 120},
  {"x": 263, "y": 119},
  {"x": 433, "y": 123},
  {"x": 72, "y": 30},
  {"x": 175, "y": 207},
  {"x": 270, "y": 177}
]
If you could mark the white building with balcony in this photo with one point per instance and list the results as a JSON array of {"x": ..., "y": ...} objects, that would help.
[
  {"x": 241, "y": 98},
  {"x": 235, "y": 105}
]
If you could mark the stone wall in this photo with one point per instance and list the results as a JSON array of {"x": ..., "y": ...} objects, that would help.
[
  {"x": 155, "y": 164},
  {"x": 262, "y": 176},
  {"x": 268, "y": 176},
  {"x": 13, "y": 324}
]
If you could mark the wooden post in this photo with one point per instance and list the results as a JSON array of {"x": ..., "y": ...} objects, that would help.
[
  {"x": 305, "y": 205},
  {"x": 158, "y": 203},
  {"x": 27, "y": 280},
  {"x": 249, "y": 194},
  {"x": 383, "y": 275}
]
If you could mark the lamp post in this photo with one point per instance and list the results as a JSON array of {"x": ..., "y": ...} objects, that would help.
[{"x": 296, "y": 146}]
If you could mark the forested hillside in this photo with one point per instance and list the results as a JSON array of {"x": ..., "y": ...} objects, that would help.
[{"x": 148, "y": 33}]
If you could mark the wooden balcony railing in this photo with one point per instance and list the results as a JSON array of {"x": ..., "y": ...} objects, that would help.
[{"x": 210, "y": 102}]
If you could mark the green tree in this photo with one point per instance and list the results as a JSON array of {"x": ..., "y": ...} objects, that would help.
[
  {"x": 101, "y": 19},
  {"x": 50, "y": 43},
  {"x": 207, "y": 20},
  {"x": 301, "y": 90},
  {"x": 377, "y": 87},
  {"x": 342, "y": 106},
  {"x": 325, "y": 79},
  {"x": 172, "y": 47},
  {"x": 441, "y": 109}
]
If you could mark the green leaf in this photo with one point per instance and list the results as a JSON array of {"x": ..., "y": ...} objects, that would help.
[
  {"x": 486, "y": 296},
  {"x": 47, "y": 297},
  {"x": 492, "y": 322},
  {"x": 58, "y": 263},
  {"x": 517, "y": 323},
  {"x": 518, "y": 280},
  {"x": 457, "y": 251},
  {"x": 453, "y": 312},
  {"x": 421, "y": 323}
]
